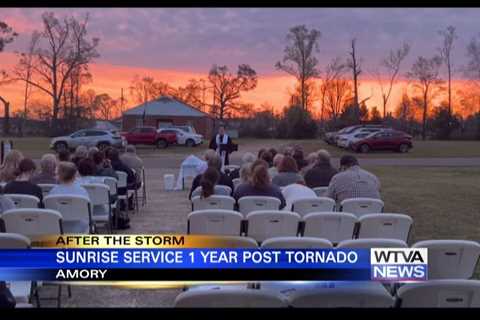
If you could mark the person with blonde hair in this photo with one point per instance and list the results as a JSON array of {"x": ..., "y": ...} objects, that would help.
[
  {"x": 81, "y": 152},
  {"x": 277, "y": 160},
  {"x": 245, "y": 172},
  {"x": 10, "y": 166},
  {"x": 48, "y": 165},
  {"x": 322, "y": 172},
  {"x": 67, "y": 185}
]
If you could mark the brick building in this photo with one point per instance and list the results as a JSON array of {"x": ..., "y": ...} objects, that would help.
[{"x": 165, "y": 112}]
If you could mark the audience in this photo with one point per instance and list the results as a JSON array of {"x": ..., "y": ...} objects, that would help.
[
  {"x": 277, "y": 160},
  {"x": 247, "y": 159},
  {"x": 353, "y": 182},
  {"x": 81, "y": 152},
  {"x": 10, "y": 166},
  {"x": 22, "y": 184},
  {"x": 287, "y": 173},
  {"x": 63, "y": 155},
  {"x": 87, "y": 171},
  {"x": 311, "y": 161},
  {"x": 216, "y": 163},
  {"x": 273, "y": 152},
  {"x": 298, "y": 156},
  {"x": 91, "y": 152},
  {"x": 261, "y": 152},
  {"x": 67, "y": 185},
  {"x": 322, "y": 172},
  {"x": 208, "y": 182},
  {"x": 48, "y": 165},
  {"x": 131, "y": 160},
  {"x": 102, "y": 166},
  {"x": 268, "y": 158},
  {"x": 117, "y": 165},
  {"x": 245, "y": 172},
  {"x": 259, "y": 184}
]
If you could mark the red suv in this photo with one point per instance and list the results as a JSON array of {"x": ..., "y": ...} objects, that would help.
[
  {"x": 384, "y": 140},
  {"x": 150, "y": 135}
]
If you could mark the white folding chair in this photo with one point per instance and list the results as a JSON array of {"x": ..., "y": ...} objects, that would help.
[
  {"x": 307, "y": 205},
  {"x": 361, "y": 206},
  {"x": 266, "y": 224},
  {"x": 32, "y": 222},
  {"x": 23, "y": 200},
  {"x": 122, "y": 184},
  {"x": 99, "y": 195},
  {"x": 334, "y": 226},
  {"x": 372, "y": 243},
  {"x": 451, "y": 293},
  {"x": 320, "y": 191},
  {"x": 13, "y": 241},
  {"x": 236, "y": 182},
  {"x": 296, "y": 243},
  {"x": 215, "y": 222},
  {"x": 239, "y": 242},
  {"x": 385, "y": 225},
  {"x": 253, "y": 203},
  {"x": 229, "y": 297},
  {"x": 46, "y": 187},
  {"x": 339, "y": 295},
  {"x": 75, "y": 210},
  {"x": 218, "y": 190},
  {"x": 450, "y": 259},
  {"x": 113, "y": 190},
  {"x": 213, "y": 202}
]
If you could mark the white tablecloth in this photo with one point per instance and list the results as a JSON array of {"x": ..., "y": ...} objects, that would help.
[{"x": 190, "y": 167}]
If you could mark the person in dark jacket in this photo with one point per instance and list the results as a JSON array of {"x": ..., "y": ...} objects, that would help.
[
  {"x": 322, "y": 172},
  {"x": 213, "y": 162},
  {"x": 117, "y": 165},
  {"x": 22, "y": 185}
]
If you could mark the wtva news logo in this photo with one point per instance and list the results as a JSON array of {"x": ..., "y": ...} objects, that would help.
[{"x": 399, "y": 265}]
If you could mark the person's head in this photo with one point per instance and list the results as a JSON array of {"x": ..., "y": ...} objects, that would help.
[
  {"x": 277, "y": 160},
  {"x": 64, "y": 155},
  {"x": 66, "y": 172},
  {"x": 260, "y": 153},
  {"x": 131, "y": 149},
  {"x": 98, "y": 158},
  {"x": 259, "y": 177},
  {"x": 26, "y": 169},
  {"x": 48, "y": 163},
  {"x": 248, "y": 157},
  {"x": 215, "y": 162},
  {"x": 91, "y": 152},
  {"x": 208, "y": 181},
  {"x": 245, "y": 171},
  {"x": 273, "y": 151},
  {"x": 209, "y": 154},
  {"x": 311, "y": 158},
  {"x": 221, "y": 129},
  {"x": 81, "y": 152},
  {"x": 348, "y": 161},
  {"x": 112, "y": 154},
  {"x": 323, "y": 157},
  {"x": 86, "y": 167},
  {"x": 12, "y": 160},
  {"x": 298, "y": 154},
  {"x": 288, "y": 164},
  {"x": 267, "y": 156},
  {"x": 288, "y": 151}
]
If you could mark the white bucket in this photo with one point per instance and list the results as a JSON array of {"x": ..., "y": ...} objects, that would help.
[{"x": 169, "y": 181}]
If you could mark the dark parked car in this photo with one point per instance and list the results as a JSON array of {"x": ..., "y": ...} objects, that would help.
[{"x": 384, "y": 140}]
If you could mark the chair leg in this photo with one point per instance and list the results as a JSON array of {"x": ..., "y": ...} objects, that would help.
[
  {"x": 69, "y": 288},
  {"x": 59, "y": 296}
]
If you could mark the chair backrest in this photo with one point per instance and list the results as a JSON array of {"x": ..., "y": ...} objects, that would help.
[
  {"x": 334, "y": 226},
  {"x": 23, "y": 200},
  {"x": 236, "y": 182},
  {"x": 122, "y": 179},
  {"x": 72, "y": 207},
  {"x": 372, "y": 243},
  {"x": 112, "y": 184},
  {"x": 219, "y": 190},
  {"x": 296, "y": 243},
  {"x": 213, "y": 202},
  {"x": 253, "y": 203},
  {"x": 32, "y": 222},
  {"x": 308, "y": 205},
  {"x": 13, "y": 241},
  {"x": 239, "y": 242},
  {"x": 362, "y": 206},
  {"x": 46, "y": 187},
  {"x": 215, "y": 221},
  {"x": 450, "y": 259},
  {"x": 266, "y": 224},
  {"x": 385, "y": 225},
  {"x": 320, "y": 191},
  {"x": 98, "y": 193},
  {"x": 225, "y": 297},
  {"x": 440, "y": 294}
]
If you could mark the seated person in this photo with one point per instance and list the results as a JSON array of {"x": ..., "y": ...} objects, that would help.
[
  {"x": 259, "y": 184},
  {"x": 91, "y": 152},
  {"x": 64, "y": 155},
  {"x": 117, "y": 165},
  {"x": 87, "y": 170},
  {"x": 247, "y": 158},
  {"x": 311, "y": 160},
  {"x": 48, "y": 166},
  {"x": 245, "y": 172},
  {"x": 353, "y": 182},
  {"x": 298, "y": 156},
  {"x": 213, "y": 162},
  {"x": 102, "y": 166},
  {"x": 287, "y": 173},
  {"x": 277, "y": 160},
  {"x": 322, "y": 172},
  {"x": 80, "y": 153},
  {"x": 208, "y": 182},
  {"x": 268, "y": 158},
  {"x": 67, "y": 173},
  {"x": 22, "y": 184},
  {"x": 9, "y": 166},
  {"x": 133, "y": 161}
]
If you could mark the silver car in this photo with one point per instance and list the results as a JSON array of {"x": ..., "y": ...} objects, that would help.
[{"x": 89, "y": 138}]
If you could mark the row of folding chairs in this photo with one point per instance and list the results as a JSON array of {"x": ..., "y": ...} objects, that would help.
[
  {"x": 430, "y": 294},
  {"x": 303, "y": 206},
  {"x": 334, "y": 226}
]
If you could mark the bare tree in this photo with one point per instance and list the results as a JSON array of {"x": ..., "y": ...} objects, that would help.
[
  {"x": 472, "y": 69},
  {"x": 391, "y": 66},
  {"x": 146, "y": 88},
  {"x": 333, "y": 71},
  {"x": 338, "y": 94},
  {"x": 106, "y": 106},
  {"x": 445, "y": 51},
  {"x": 426, "y": 72},
  {"x": 354, "y": 64},
  {"x": 227, "y": 88},
  {"x": 62, "y": 48},
  {"x": 299, "y": 58},
  {"x": 7, "y": 35},
  {"x": 193, "y": 94}
]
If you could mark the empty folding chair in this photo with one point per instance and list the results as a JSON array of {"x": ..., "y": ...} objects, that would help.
[
  {"x": 296, "y": 243},
  {"x": 334, "y": 226},
  {"x": 46, "y": 187},
  {"x": 270, "y": 223},
  {"x": 215, "y": 221},
  {"x": 372, "y": 243},
  {"x": 308, "y": 205},
  {"x": 253, "y": 203},
  {"x": 229, "y": 297},
  {"x": 385, "y": 225},
  {"x": 320, "y": 191},
  {"x": 362, "y": 206},
  {"x": 239, "y": 242},
  {"x": 213, "y": 202},
  {"x": 32, "y": 222},
  {"x": 99, "y": 195},
  {"x": 75, "y": 210},
  {"x": 440, "y": 294},
  {"x": 236, "y": 182},
  {"x": 24, "y": 200},
  {"x": 450, "y": 259}
]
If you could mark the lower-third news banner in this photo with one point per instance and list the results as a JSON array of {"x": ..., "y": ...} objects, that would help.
[{"x": 201, "y": 258}]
